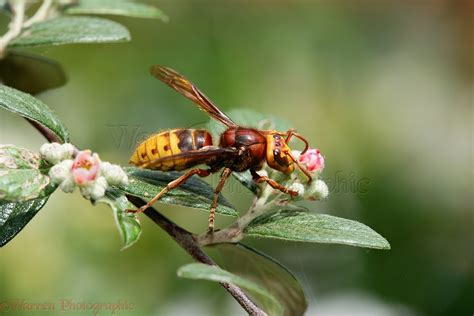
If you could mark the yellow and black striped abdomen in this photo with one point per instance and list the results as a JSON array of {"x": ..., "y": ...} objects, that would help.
[{"x": 168, "y": 144}]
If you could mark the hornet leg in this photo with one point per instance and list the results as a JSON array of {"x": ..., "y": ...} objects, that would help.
[
  {"x": 172, "y": 185},
  {"x": 212, "y": 214},
  {"x": 259, "y": 179}
]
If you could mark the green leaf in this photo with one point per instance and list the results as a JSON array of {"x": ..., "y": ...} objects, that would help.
[
  {"x": 29, "y": 107},
  {"x": 23, "y": 189},
  {"x": 247, "y": 181},
  {"x": 248, "y": 118},
  {"x": 116, "y": 7},
  {"x": 72, "y": 30},
  {"x": 14, "y": 157},
  {"x": 258, "y": 267},
  {"x": 30, "y": 73},
  {"x": 20, "y": 177},
  {"x": 4, "y": 8},
  {"x": 201, "y": 271},
  {"x": 14, "y": 217},
  {"x": 128, "y": 224},
  {"x": 299, "y": 225},
  {"x": 17, "y": 185},
  {"x": 194, "y": 193}
]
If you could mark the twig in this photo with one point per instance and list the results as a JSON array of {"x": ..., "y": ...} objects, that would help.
[
  {"x": 185, "y": 239},
  {"x": 40, "y": 15},
  {"x": 188, "y": 242},
  {"x": 234, "y": 233},
  {"x": 15, "y": 27},
  {"x": 46, "y": 132},
  {"x": 18, "y": 22}
]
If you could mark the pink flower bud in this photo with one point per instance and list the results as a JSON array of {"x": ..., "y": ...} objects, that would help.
[
  {"x": 312, "y": 160},
  {"x": 85, "y": 167}
]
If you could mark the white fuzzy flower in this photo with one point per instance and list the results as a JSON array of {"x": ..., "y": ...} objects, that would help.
[
  {"x": 318, "y": 190},
  {"x": 297, "y": 187},
  {"x": 114, "y": 174},
  {"x": 68, "y": 150},
  {"x": 94, "y": 190},
  {"x": 55, "y": 152},
  {"x": 52, "y": 152},
  {"x": 68, "y": 185},
  {"x": 60, "y": 172}
]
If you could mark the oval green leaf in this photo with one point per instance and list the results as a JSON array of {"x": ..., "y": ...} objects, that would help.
[
  {"x": 128, "y": 224},
  {"x": 116, "y": 7},
  {"x": 17, "y": 185},
  {"x": 14, "y": 217},
  {"x": 14, "y": 157},
  {"x": 27, "y": 106},
  {"x": 246, "y": 179},
  {"x": 201, "y": 271},
  {"x": 260, "y": 268},
  {"x": 299, "y": 225},
  {"x": 72, "y": 30},
  {"x": 194, "y": 193},
  {"x": 31, "y": 73}
]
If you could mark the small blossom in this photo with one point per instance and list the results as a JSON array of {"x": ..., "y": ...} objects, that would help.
[
  {"x": 318, "y": 190},
  {"x": 94, "y": 190},
  {"x": 52, "y": 152},
  {"x": 114, "y": 174},
  {"x": 56, "y": 152},
  {"x": 297, "y": 187},
  {"x": 68, "y": 185},
  {"x": 313, "y": 160},
  {"x": 68, "y": 150},
  {"x": 60, "y": 172},
  {"x": 86, "y": 167}
]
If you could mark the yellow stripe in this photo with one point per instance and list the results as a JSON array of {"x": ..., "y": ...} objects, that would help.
[
  {"x": 174, "y": 141},
  {"x": 134, "y": 160},
  {"x": 142, "y": 153},
  {"x": 151, "y": 149},
  {"x": 164, "y": 149}
]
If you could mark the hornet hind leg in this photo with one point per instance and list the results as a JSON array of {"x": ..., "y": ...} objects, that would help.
[
  {"x": 172, "y": 185},
  {"x": 212, "y": 214},
  {"x": 181, "y": 180}
]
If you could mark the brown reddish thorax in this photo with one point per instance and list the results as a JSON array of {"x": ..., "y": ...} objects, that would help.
[{"x": 251, "y": 141}]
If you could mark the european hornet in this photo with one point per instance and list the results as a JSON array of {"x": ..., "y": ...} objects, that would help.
[{"x": 240, "y": 148}]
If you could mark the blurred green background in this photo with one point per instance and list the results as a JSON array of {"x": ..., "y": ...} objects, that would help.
[{"x": 382, "y": 88}]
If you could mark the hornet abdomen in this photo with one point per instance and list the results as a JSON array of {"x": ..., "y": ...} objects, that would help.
[{"x": 169, "y": 144}]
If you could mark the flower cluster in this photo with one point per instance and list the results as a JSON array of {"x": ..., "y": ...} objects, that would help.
[
  {"x": 313, "y": 161},
  {"x": 85, "y": 171}
]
